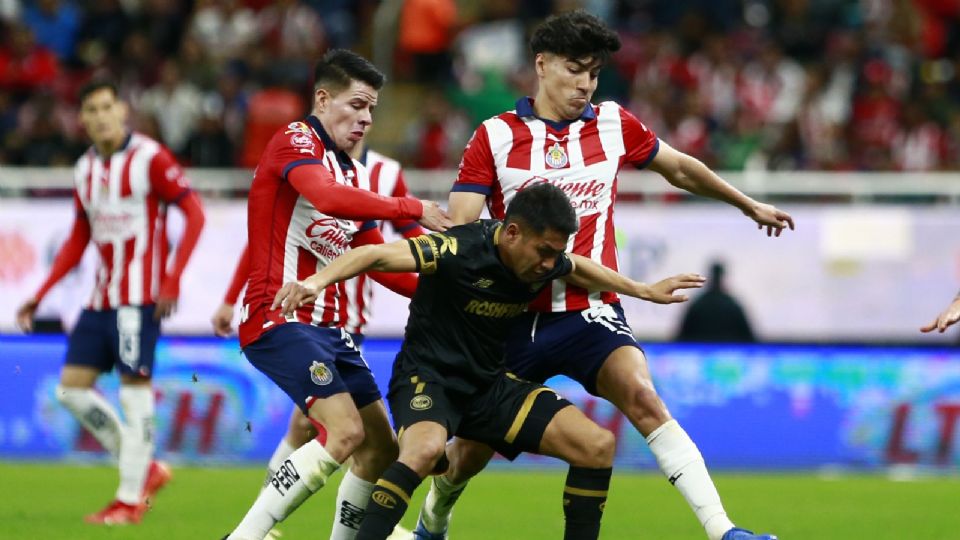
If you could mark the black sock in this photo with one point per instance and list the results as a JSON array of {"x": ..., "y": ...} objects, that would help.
[
  {"x": 584, "y": 497},
  {"x": 388, "y": 501}
]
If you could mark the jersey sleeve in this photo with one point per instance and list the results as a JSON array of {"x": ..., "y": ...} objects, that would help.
[
  {"x": 477, "y": 170},
  {"x": 166, "y": 177},
  {"x": 639, "y": 141},
  {"x": 436, "y": 251},
  {"x": 292, "y": 147}
]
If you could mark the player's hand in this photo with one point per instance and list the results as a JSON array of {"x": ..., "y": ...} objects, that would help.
[
  {"x": 434, "y": 217},
  {"x": 221, "y": 320},
  {"x": 293, "y": 295},
  {"x": 945, "y": 319},
  {"x": 662, "y": 291},
  {"x": 771, "y": 217},
  {"x": 25, "y": 314},
  {"x": 165, "y": 308}
]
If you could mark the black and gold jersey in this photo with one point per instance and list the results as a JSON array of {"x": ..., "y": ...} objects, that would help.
[{"x": 464, "y": 304}]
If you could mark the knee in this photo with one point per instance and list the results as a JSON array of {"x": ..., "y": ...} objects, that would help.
[
  {"x": 466, "y": 461},
  {"x": 422, "y": 456},
  {"x": 345, "y": 436},
  {"x": 371, "y": 460},
  {"x": 594, "y": 449},
  {"x": 643, "y": 403}
]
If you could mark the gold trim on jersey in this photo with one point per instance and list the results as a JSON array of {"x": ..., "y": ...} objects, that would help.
[
  {"x": 426, "y": 254},
  {"x": 496, "y": 234},
  {"x": 523, "y": 413}
]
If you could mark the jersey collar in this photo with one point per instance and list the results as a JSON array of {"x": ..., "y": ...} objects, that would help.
[
  {"x": 525, "y": 110},
  {"x": 343, "y": 158}
]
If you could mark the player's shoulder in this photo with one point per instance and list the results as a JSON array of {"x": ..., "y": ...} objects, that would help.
[
  {"x": 298, "y": 135},
  {"x": 374, "y": 157}
]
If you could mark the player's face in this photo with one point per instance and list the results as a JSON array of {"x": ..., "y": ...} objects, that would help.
[
  {"x": 104, "y": 117},
  {"x": 566, "y": 84},
  {"x": 347, "y": 115},
  {"x": 533, "y": 255}
]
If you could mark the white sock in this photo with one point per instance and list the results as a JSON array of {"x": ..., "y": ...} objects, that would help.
[
  {"x": 299, "y": 476},
  {"x": 280, "y": 454},
  {"x": 136, "y": 452},
  {"x": 682, "y": 464},
  {"x": 438, "y": 506},
  {"x": 352, "y": 499},
  {"x": 94, "y": 413}
]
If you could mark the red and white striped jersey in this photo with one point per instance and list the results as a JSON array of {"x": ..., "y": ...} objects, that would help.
[
  {"x": 385, "y": 178},
  {"x": 583, "y": 157},
  {"x": 289, "y": 239},
  {"x": 124, "y": 196}
]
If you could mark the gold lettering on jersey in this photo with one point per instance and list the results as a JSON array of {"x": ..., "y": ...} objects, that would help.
[{"x": 497, "y": 310}]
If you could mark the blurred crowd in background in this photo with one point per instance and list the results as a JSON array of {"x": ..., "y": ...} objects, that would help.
[{"x": 842, "y": 85}]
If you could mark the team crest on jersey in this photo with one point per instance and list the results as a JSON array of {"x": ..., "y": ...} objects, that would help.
[
  {"x": 297, "y": 127},
  {"x": 556, "y": 156},
  {"x": 320, "y": 374}
]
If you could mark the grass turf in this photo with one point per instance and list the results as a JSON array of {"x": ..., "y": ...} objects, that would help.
[{"x": 48, "y": 501}]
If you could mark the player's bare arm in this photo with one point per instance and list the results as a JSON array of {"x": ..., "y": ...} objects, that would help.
[
  {"x": 392, "y": 257},
  {"x": 596, "y": 277},
  {"x": 946, "y": 319},
  {"x": 465, "y": 207},
  {"x": 690, "y": 174}
]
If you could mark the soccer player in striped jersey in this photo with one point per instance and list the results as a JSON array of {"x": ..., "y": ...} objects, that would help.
[
  {"x": 304, "y": 210},
  {"x": 123, "y": 186},
  {"x": 560, "y": 137},
  {"x": 385, "y": 178}
]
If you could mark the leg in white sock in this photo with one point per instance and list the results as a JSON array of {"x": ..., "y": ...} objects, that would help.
[
  {"x": 94, "y": 413},
  {"x": 352, "y": 499},
  {"x": 302, "y": 474},
  {"x": 136, "y": 452},
  {"x": 682, "y": 463},
  {"x": 280, "y": 454}
]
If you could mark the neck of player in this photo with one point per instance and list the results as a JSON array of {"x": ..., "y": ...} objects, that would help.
[{"x": 108, "y": 146}]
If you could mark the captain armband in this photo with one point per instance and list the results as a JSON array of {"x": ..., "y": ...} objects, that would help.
[{"x": 424, "y": 250}]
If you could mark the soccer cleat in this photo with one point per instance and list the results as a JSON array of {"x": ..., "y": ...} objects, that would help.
[
  {"x": 421, "y": 533},
  {"x": 157, "y": 476},
  {"x": 737, "y": 533},
  {"x": 118, "y": 513}
]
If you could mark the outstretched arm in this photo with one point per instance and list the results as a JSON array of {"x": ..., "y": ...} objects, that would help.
[
  {"x": 465, "y": 206},
  {"x": 946, "y": 319},
  {"x": 690, "y": 174},
  {"x": 592, "y": 276},
  {"x": 392, "y": 257}
]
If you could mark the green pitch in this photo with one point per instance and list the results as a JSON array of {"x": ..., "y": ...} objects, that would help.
[{"x": 41, "y": 501}]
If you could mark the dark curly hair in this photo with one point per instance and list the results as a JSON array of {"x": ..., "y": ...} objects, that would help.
[{"x": 574, "y": 35}]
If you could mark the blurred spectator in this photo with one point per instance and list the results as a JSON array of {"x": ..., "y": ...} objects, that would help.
[
  {"x": 293, "y": 37},
  {"x": 175, "y": 103},
  {"x": 426, "y": 32},
  {"x": 921, "y": 144},
  {"x": 104, "y": 26},
  {"x": 224, "y": 28},
  {"x": 435, "y": 140},
  {"x": 269, "y": 110},
  {"x": 209, "y": 145},
  {"x": 55, "y": 25},
  {"x": 715, "y": 316},
  {"x": 25, "y": 66}
]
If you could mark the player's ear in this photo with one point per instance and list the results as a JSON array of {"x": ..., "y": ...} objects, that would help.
[
  {"x": 540, "y": 63},
  {"x": 321, "y": 99}
]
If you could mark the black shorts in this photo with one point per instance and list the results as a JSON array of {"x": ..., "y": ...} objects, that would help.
[
  {"x": 125, "y": 338},
  {"x": 510, "y": 416}
]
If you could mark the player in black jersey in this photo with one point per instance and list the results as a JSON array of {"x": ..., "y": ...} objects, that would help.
[{"x": 449, "y": 377}]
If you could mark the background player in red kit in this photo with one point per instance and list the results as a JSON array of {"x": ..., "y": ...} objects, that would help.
[
  {"x": 560, "y": 137},
  {"x": 304, "y": 210},
  {"x": 383, "y": 176},
  {"x": 124, "y": 184}
]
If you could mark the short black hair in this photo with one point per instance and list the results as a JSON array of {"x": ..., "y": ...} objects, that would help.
[
  {"x": 541, "y": 207},
  {"x": 574, "y": 35},
  {"x": 97, "y": 85},
  {"x": 339, "y": 67}
]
